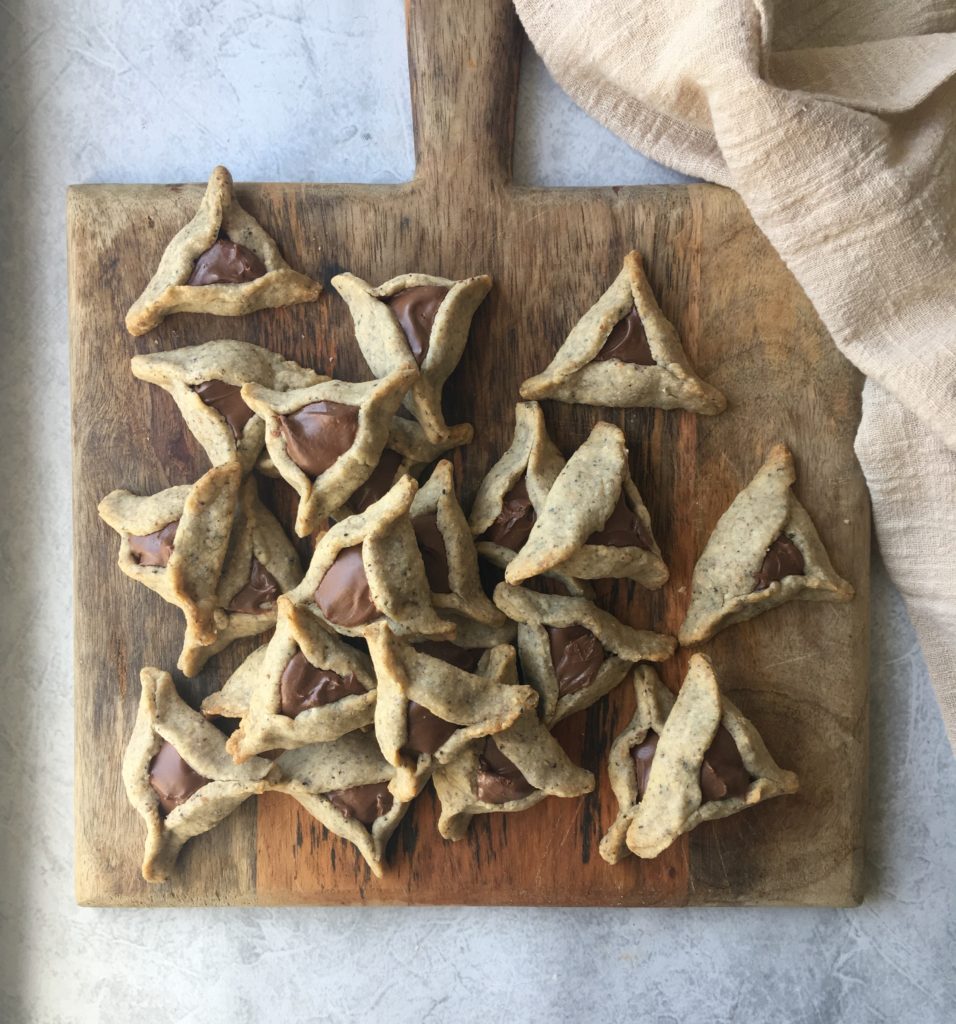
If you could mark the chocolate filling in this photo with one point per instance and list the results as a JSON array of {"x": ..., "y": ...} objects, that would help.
[
  {"x": 431, "y": 544},
  {"x": 343, "y": 593},
  {"x": 466, "y": 658},
  {"x": 154, "y": 548},
  {"x": 783, "y": 558},
  {"x": 259, "y": 594},
  {"x": 628, "y": 342},
  {"x": 318, "y": 434},
  {"x": 515, "y": 519},
  {"x": 173, "y": 781},
  {"x": 415, "y": 310},
  {"x": 226, "y": 399},
  {"x": 426, "y": 732},
  {"x": 364, "y": 803},
  {"x": 576, "y": 654},
  {"x": 226, "y": 262},
  {"x": 303, "y": 686},
  {"x": 722, "y": 772},
  {"x": 379, "y": 482},
  {"x": 499, "y": 780},
  {"x": 623, "y": 528},
  {"x": 643, "y": 755}
]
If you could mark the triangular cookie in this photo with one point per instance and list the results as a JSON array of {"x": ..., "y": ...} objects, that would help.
[
  {"x": 572, "y": 652},
  {"x": 508, "y": 772},
  {"x": 623, "y": 353},
  {"x": 326, "y": 440},
  {"x": 175, "y": 542},
  {"x": 451, "y": 563},
  {"x": 345, "y": 785},
  {"x": 514, "y": 491},
  {"x": 428, "y": 710},
  {"x": 764, "y": 551},
  {"x": 178, "y": 775},
  {"x": 260, "y": 564},
  {"x": 368, "y": 567},
  {"x": 684, "y": 761},
  {"x": 415, "y": 321},
  {"x": 309, "y": 687},
  {"x": 205, "y": 382},
  {"x": 221, "y": 262},
  {"x": 213, "y": 550},
  {"x": 594, "y": 523}
]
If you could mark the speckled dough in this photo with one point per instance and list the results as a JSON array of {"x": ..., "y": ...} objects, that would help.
[
  {"x": 393, "y": 566},
  {"x": 407, "y": 439},
  {"x": 205, "y": 511},
  {"x": 579, "y": 503},
  {"x": 722, "y": 588},
  {"x": 481, "y": 704},
  {"x": 232, "y": 701},
  {"x": 308, "y": 774},
  {"x": 385, "y": 347},
  {"x": 574, "y": 376},
  {"x": 532, "y": 455},
  {"x": 263, "y": 726},
  {"x": 437, "y": 497},
  {"x": 219, "y": 211},
  {"x": 532, "y": 750},
  {"x": 686, "y": 727},
  {"x": 376, "y": 400},
  {"x": 235, "y": 363},
  {"x": 624, "y": 646},
  {"x": 163, "y": 715},
  {"x": 256, "y": 534}
]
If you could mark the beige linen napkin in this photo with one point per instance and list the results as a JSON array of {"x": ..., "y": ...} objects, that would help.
[{"x": 835, "y": 120}]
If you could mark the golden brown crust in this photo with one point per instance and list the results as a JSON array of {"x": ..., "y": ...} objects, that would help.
[
  {"x": 575, "y": 376},
  {"x": 219, "y": 211}
]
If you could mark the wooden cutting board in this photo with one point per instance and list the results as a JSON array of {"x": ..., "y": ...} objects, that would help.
[{"x": 800, "y": 672}]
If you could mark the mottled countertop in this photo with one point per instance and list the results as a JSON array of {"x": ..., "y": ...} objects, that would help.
[{"x": 110, "y": 90}]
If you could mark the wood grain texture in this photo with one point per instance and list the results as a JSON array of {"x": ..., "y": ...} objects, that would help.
[{"x": 800, "y": 671}]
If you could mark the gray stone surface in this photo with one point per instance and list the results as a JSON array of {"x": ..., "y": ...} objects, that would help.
[{"x": 111, "y": 90}]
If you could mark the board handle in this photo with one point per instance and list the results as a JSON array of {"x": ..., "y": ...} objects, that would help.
[{"x": 463, "y": 61}]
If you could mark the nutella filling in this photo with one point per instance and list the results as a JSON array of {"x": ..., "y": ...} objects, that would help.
[
  {"x": 303, "y": 686},
  {"x": 623, "y": 529},
  {"x": 343, "y": 593},
  {"x": 576, "y": 654},
  {"x": 722, "y": 773},
  {"x": 783, "y": 558},
  {"x": 415, "y": 310},
  {"x": 431, "y": 544},
  {"x": 466, "y": 658},
  {"x": 173, "y": 781},
  {"x": 426, "y": 732},
  {"x": 643, "y": 755},
  {"x": 226, "y": 262},
  {"x": 364, "y": 803},
  {"x": 154, "y": 548},
  {"x": 499, "y": 780},
  {"x": 515, "y": 519},
  {"x": 628, "y": 342},
  {"x": 259, "y": 594},
  {"x": 318, "y": 433},
  {"x": 379, "y": 482},
  {"x": 226, "y": 399}
]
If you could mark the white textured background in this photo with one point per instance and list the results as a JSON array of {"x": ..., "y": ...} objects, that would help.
[{"x": 113, "y": 90}]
